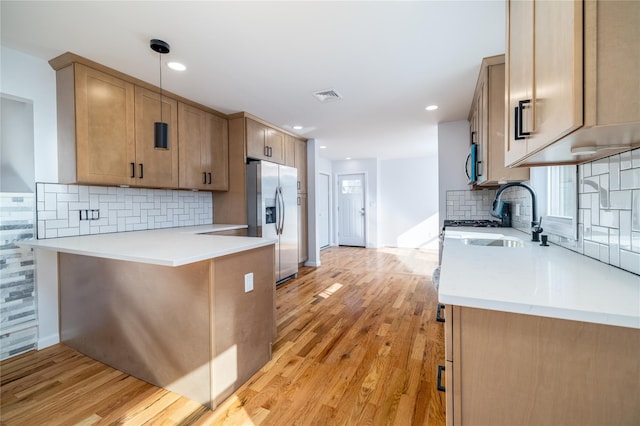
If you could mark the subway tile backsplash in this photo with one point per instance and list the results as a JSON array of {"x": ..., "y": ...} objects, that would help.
[
  {"x": 474, "y": 205},
  {"x": 608, "y": 210},
  {"x": 72, "y": 210}
]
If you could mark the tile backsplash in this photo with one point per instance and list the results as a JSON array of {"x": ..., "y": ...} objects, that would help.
[
  {"x": 71, "y": 210},
  {"x": 608, "y": 210},
  {"x": 474, "y": 205},
  {"x": 18, "y": 319}
]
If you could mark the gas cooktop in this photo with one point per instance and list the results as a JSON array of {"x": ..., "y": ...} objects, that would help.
[{"x": 480, "y": 223}]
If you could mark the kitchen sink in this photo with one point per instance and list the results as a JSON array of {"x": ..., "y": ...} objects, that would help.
[{"x": 494, "y": 242}]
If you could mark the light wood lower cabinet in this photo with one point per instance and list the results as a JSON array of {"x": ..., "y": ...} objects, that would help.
[
  {"x": 513, "y": 369},
  {"x": 191, "y": 329}
]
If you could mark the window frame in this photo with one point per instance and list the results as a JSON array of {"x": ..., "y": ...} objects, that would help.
[{"x": 563, "y": 226}]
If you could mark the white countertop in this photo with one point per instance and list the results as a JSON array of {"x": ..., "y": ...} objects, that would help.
[
  {"x": 546, "y": 281},
  {"x": 167, "y": 247}
]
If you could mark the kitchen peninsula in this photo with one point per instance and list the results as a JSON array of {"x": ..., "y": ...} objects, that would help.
[{"x": 181, "y": 308}]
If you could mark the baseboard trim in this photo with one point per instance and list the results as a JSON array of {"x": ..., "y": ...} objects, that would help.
[{"x": 47, "y": 341}]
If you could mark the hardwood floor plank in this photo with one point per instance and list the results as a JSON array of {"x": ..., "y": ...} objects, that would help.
[{"x": 357, "y": 344}]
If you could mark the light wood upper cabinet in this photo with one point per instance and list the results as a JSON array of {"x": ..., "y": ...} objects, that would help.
[
  {"x": 508, "y": 369},
  {"x": 301, "y": 164},
  {"x": 264, "y": 143},
  {"x": 486, "y": 118},
  {"x": 290, "y": 151},
  {"x": 96, "y": 133},
  {"x": 155, "y": 168},
  {"x": 203, "y": 146},
  {"x": 274, "y": 141},
  {"x": 569, "y": 80},
  {"x": 106, "y": 131}
]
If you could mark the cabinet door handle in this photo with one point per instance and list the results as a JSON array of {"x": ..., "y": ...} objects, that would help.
[
  {"x": 209, "y": 178},
  {"x": 298, "y": 184},
  {"x": 473, "y": 137},
  {"x": 133, "y": 170},
  {"x": 204, "y": 177},
  {"x": 439, "y": 316},
  {"x": 270, "y": 152},
  {"x": 141, "y": 171},
  {"x": 439, "y": 383},
  {"x": 266, "y": 151},
  {"x": 518, "y": 130}
]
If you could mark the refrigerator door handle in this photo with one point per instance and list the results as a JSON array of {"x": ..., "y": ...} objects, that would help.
[
  {"x": 283, "y": 211},
  {"x": 278, "y": 211}
]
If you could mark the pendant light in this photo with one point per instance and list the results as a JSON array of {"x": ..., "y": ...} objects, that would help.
[{"x": 160, "y": 129}]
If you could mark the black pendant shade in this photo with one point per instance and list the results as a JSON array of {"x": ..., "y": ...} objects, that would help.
[
  {"x": 160, "y": 129},
  {"x": 160, "y": 135}
]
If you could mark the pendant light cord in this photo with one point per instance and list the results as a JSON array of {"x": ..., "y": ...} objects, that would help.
[{"x": 160, "y": 66}]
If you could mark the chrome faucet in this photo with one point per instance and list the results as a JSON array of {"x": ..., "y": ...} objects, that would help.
[{"x": 496, "y": 211}]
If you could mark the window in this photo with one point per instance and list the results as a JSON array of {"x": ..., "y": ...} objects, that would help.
[{"x": 558, "y": 198}]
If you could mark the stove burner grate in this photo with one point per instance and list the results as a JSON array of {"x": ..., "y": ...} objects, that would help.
[{"x": 480, "y": 223}]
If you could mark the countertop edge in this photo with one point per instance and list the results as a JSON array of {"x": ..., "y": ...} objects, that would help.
[
  {"x": 187, "y": 235},
  {"x": 549, "y": 312}
]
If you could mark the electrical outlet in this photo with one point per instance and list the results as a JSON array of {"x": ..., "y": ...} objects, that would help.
[
  {"x": 248, "y": 282},
  {"x": 93, "y": 214}
]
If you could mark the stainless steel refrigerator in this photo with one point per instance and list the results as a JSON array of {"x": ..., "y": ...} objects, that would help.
[{"x": 272, "y": 211}]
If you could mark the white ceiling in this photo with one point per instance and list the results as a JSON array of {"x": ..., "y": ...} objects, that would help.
[{"x": 389, "y": 60}]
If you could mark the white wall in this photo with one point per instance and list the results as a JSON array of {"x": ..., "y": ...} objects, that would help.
[
  {"x": 409, "y": 202},
  {"x": 453, "y": 147},
  {"x": 16, "y": 153},
  {"x": 27, "y": 77},
  {"x": 371, "y": 168}
]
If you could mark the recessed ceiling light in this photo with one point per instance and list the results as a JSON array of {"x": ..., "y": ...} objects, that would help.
[
  {"x": 348, "y": 158},
  {"x": 323, "y": 147},
  {"x": 432, "y": 107},
  {"x": 297, "y": 127},
  {"x": 176, "y": 66}
]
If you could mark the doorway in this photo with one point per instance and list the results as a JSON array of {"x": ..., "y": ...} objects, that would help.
[
  {"x": 324, "y": 221},
  {"x": 351, "y": 210}
]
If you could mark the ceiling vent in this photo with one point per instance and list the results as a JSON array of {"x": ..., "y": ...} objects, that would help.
[{"x": 328, "y": 95}]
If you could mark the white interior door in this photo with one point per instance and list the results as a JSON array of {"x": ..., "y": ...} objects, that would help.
[
  {"x": 323, "y": 209},
  {"x": 351, "y": 210}
]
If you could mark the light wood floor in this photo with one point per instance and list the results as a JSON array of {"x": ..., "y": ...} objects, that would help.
[{"x": 357, "y": 344}]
